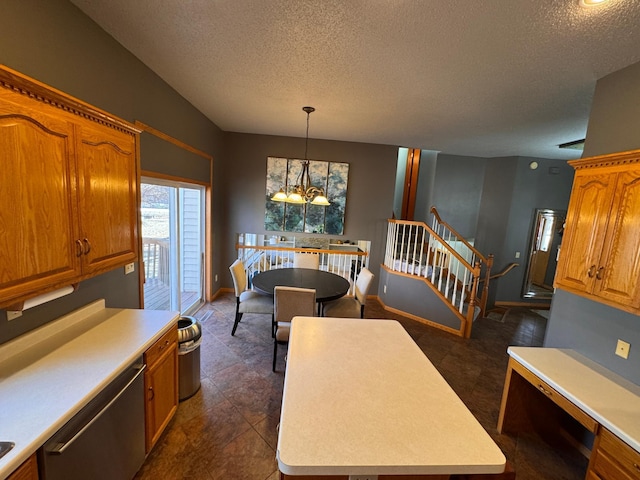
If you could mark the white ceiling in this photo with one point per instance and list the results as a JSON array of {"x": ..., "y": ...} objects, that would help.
[{"x": 483, "y": 78}]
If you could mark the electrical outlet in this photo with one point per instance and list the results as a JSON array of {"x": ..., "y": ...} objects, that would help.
[
  {"x": 363, "y": 477},
  {"x": 129, "y": 268},
  {"x": 384, "y": 289},
  {"x": 622, "y": 349},
  {"x": 216, "y": 278},
  {"x": 517, "y": 254}
]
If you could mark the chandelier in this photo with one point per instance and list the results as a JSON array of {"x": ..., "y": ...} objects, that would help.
[{"x": 303, "y": 192}]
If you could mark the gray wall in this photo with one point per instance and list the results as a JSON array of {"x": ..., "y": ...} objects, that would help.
[
  {"x": 531, "y": 189},
  {"x": 457, "y": 191},
  {"x": 55, "y": 43},
  {"x": 511, "y": 193},
  {"x": 401, "y": 171},
  {"x": 372, "y": 170},
  {"x": 426, "y": 185},
  {"x": 495, "y": 206},
  {"x": 578, "y": 323}
]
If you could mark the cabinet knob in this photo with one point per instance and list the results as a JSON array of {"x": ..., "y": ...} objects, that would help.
[
  {"x": 591, "y": 271},
  {"x": 548, "y": 393},
  {"x": 153, "y": 394},
  {"x": 79, "y": 248},
  {"x": 599, "y": 274},
  {"x": 87, "y": 245}
]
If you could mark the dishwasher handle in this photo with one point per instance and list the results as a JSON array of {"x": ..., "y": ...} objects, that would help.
[{"x": 61, "y": 447}]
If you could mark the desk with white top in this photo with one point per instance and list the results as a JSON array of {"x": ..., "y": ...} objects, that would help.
[
  {"x": 545, "y": 386},
  {"x": 361, "y": 399}
]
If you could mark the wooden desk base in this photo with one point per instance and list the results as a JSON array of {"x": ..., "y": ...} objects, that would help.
[{"x": 526, "y": 399}]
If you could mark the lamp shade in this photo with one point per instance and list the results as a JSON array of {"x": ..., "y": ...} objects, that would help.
[
  {"x": 280, "y": 196},
  {"x": 320, "y": 200}
]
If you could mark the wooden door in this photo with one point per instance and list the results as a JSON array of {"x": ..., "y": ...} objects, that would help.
[
  {"x": 38, "y": 230},
  {"x": 618, "y": 276},
  {"x": 107, "y": 197},
  {"x": 412, "y": 170},
  {"x": 586, "y": 226},
  {"x": 161, "y": 389}
]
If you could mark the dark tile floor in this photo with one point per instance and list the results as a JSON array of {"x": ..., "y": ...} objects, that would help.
[{"x": 228, "y": 429}]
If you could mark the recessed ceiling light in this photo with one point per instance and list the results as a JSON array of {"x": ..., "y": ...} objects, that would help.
[{"x": 591, "y": 3}]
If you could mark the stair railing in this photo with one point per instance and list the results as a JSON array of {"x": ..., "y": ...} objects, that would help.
[
  {"x": 258, "y": 258},
  {"x": 468, "y": 251},
  {"x": 414, "y": 248}
]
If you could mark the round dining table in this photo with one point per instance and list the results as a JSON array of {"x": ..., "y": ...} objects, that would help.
[{"x": 328, "y": 286}]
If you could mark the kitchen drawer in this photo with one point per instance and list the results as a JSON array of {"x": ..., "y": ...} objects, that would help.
[
  {"x": 614, "y": 459},
  {"x": 155, "y": 351},
  {"x": 557, "y": 398}
]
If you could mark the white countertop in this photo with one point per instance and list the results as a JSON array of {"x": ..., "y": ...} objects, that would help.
[
  {"x": 611, "y": 400},
  {"x": 48, "y": 375},
  {"x": 360, "y": 398}
]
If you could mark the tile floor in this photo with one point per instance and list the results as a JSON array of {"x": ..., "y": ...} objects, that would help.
[{"x": 228, "y": 429}]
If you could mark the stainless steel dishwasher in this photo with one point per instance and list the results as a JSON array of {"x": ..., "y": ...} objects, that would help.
[{"x": 105, "y": 440}]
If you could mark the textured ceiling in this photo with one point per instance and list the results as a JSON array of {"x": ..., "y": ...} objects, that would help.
[{"x": 480, "y": 78}]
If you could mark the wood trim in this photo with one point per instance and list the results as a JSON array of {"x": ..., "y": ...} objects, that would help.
[
  {"x": 420, "y": 319},
  {"x": 459, "y": 237},
  {"x": 608, "y": 160},
  {"x": 464, "y": 328},
  {"x": 172, "y": 178},
  {"x": 301, "y": 250},
  {"x": 146, "y": 128},
  {"x": 410, "y": 183},
  {"x": 141, "y": 274}
]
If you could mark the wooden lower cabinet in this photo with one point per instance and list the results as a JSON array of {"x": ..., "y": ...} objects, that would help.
[
  {"x": 161, "y": 385},
  {"x": 27, "y": 471},
  {"x": 612, "y": 459}
]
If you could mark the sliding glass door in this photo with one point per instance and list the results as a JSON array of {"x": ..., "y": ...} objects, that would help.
[{"x": 172, "y": 245}]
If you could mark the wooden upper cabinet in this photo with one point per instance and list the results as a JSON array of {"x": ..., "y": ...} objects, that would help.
[
  {"x": 619, "y": 279},
  {"x": 38, "y": 197},
  {"x": 68, "y": 190},
  {"x": 107, "y": 197},
  {"x": 600, "y": 253}
]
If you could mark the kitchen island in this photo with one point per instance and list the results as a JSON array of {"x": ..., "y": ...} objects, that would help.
[
  {"x": 360, "y": 398},
  {"x": 48, "y": 375}
]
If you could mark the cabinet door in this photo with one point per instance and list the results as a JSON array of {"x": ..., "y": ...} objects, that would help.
[
  {"x": 27, "y": 471},
  {"x": 586, "y": 225},
  {"x": 161, "y": 388},
  {"x": 38, "y": 230},
  {"x": 618, "y": 276},
  {"x": 107, "y": 197}
]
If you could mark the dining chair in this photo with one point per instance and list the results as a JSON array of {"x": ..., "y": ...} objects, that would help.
[
  {"x": 290, "y": 302},
  {"x": 306, "y": 260},
  {"x": 248, "y": 301},
  {"x": 351, "y": 307}
]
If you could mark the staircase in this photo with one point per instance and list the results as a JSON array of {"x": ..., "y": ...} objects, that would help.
[{"x": 445, "y": 261}]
